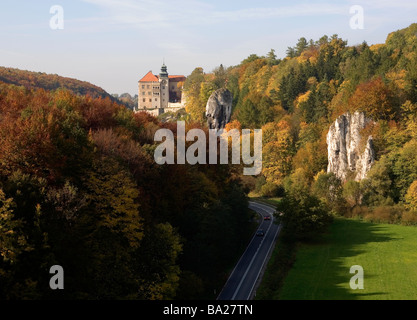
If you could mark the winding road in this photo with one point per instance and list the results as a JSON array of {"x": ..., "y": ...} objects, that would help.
[{"x": 246, "y": 275}]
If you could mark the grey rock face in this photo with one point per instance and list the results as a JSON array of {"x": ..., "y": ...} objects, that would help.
[
  {"x": 219, "y": 109},
  {"x": 366, "y": 160},
  {"x": 343, "y": 141}
]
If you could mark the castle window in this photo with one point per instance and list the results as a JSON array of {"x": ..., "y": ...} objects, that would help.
[
  {"x": 156, "y": 99},
  {"x": 150, "y": 100},
  {"x": 148, "y": 86},
  {"x": 143, "y": 93},
  {"x": 149, "y": 93},
  {"x": 143, "y": 86},
  {"x": 144, "y": 100}
]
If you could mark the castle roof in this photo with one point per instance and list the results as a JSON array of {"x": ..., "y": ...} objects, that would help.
[
  {"x": 177, "y": 78},
  {"x": 149, "y": 77}
]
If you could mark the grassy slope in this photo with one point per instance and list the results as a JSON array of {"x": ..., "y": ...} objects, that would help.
[
  {"x": 270, "y": 201},
  {"x": 388, "y": 254}
]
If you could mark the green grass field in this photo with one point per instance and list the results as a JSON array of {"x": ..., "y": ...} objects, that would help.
[
  {"x": 270, "y": 201},
  {"x": 387, "y": 253}
]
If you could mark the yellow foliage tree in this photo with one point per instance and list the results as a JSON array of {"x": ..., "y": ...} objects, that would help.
[
  {"x": 411, "y": 196},
  {"x": 278, "y": 151},
  {"x": 192, "y": 89},
  {"x": 113, "y": 195},
  {"x": 9, "y": 239}
]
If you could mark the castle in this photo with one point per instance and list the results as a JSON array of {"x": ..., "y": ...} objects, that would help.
[{"x": 160, "y": 94}]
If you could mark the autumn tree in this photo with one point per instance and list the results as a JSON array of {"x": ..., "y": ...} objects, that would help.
[
  {"x": 378, "y": 186},
  {"x": 278, "y": 150},
  {"x": 312, "y": 157},
  {"x": 303, "y": 216},
  {"x": 192, "y": 88},
  {"x": 404, "y": 167},
  {"x": 352, "y": 193},
  {"x": 411, "y": 196},
  {"x": 114, "y": 229},
  {"x": 376, "y": 99},
  {"x": 46, "y": 139},
  {"x": 158, "y": 268},
  {"x": 328, "y": 188},
  {"x": 13, "y": 243}
]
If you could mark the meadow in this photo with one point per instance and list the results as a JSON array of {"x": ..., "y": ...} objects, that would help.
[{"x": 386, "y": 252}]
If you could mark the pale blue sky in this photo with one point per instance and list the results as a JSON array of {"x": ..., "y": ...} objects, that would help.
[{"x": 113, "y": 43}]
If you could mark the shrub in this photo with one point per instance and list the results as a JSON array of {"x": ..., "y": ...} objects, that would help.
[
  {"x": 270, "y": 189},
  {"x": 384, "y": 214},
  {"x": 409, "y": 218},
  {"x": 357, "y": 212}
]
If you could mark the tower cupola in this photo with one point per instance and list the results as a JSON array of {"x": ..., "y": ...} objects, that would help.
[{"x": 164, "y": 71}]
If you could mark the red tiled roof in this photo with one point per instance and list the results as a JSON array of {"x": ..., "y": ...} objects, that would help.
[
  {"x": 177, "y": 78},
  {"x": 149, "y": 77}
]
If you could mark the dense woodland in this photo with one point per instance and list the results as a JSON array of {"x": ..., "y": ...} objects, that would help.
[
  {"x": 79, "y": 186},
  {"x": 296, "y": 99},
  {"x": 36, "y": 80},
  {"x": 41, "y": 80}
]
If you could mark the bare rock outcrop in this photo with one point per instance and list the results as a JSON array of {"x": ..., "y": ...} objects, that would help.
[
  {"x": 343, "y": 142},
  {"x": 219, "y": 109}
]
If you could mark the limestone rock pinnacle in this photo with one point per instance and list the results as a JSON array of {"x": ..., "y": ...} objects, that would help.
[
  {"x": 343, "y": 141},
  {"x": 219, "y": 109}
]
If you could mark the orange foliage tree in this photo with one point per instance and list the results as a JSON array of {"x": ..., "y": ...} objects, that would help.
[{"x": 376, "y": 99}]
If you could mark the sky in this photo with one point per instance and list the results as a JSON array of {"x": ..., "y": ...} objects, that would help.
[{"x": 114, "y": 43}]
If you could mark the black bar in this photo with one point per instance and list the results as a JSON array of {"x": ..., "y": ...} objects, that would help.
[{"x": 138, "y": 310}]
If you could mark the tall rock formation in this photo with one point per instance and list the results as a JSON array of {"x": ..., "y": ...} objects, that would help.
[
  {"x": 219, "y": 109},
  {"x": 343, "y": 142}
]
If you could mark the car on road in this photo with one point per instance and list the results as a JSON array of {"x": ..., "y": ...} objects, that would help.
[
  {"x": 260, "y": 233},
  {"x": 268, "y": 217}
]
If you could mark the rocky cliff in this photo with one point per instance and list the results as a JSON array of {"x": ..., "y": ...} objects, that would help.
[
  {"x": 219, "y": 109},
  {"x": 343, "y": 141}
]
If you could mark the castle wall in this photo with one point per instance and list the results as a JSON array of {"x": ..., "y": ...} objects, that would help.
[
  {"x": 149, "y": 95},
  {"x": 159, "y": 94}
]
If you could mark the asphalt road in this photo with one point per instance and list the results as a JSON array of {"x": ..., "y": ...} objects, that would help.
[{"x": 244, "y": 277}]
